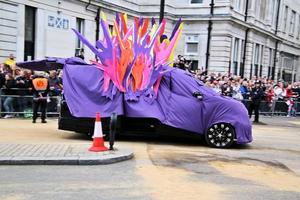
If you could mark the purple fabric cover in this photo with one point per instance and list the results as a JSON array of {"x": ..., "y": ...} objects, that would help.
[
  {"x": 43, "y": 65},
  {"x": 174, "y": 106}
]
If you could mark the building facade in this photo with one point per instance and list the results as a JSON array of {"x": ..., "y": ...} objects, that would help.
[{"x": 242, "y": 37}]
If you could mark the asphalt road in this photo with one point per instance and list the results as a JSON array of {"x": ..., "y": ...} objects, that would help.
[{"x": 268, "y": 168}]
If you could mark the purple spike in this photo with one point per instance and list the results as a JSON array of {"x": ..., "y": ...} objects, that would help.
[
  {"x": 175, "y": 28},
  {"x": 141, "y": 21},
  {"x": 163, "y": 37},
  {"x": 118, "y": 18},
  {"x": 87, "y": 43},
  {"x": 153, "y": 21}
]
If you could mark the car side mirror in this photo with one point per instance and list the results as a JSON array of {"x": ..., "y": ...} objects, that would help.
[{"x": 198, "y": 95}]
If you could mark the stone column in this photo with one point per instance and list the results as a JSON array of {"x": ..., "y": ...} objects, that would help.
[
  {"x": 40, "y": 34},
  {"x": 20, "y": 32}
]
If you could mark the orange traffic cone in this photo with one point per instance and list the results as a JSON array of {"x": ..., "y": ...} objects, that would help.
[{"x": 98, "y": 142}]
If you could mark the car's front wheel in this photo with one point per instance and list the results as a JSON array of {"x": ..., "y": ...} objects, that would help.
[{"x": 220, "y": 135}]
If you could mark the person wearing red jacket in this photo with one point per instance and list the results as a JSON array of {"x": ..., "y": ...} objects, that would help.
[{"x": 290, "y": 101}]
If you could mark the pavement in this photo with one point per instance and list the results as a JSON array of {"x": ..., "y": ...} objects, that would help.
[
  {"x": 162, "y": 169},
  {"x": 58, "y": 154},
  {"x": 43, "y": 144}
]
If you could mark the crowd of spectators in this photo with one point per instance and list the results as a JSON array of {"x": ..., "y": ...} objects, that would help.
[
  {"x": 283, "y": 93},
  {"x": 16, "y": 82}
]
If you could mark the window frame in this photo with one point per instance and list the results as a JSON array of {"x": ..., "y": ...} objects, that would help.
[
  {"x": 242, "y": 67},
  {"x": 262, "y": 12},
  {"x": 298, "y": 31},
  {"x": 235, "y": 58},
  {"x": 285, "y": 18},
  {"x": 292, "y": 23},
  {"x": 256, "y": 59},
  {"x": 261, "y": 61},
  {"x": 239, "y": 5},
  {"x": 186, "y": 42},
  {"x": 195, "y": 3}
]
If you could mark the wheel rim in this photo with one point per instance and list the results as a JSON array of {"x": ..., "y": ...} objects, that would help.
[{"x": 220, "y": 135}]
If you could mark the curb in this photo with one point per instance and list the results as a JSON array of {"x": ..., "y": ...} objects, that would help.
[{"x": 97, "y": 159}]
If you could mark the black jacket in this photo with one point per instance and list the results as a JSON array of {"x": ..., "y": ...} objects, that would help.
[
  {"x": 256, "y": 95},
  {"x": 8, "y": 85},
  {"x": 23, "y": 87},
  {"x": 2, "y": 80}
]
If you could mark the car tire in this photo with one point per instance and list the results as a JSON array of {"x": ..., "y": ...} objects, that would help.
[{"x": 220, "y": 135}]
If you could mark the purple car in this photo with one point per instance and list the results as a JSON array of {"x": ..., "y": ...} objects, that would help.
[
  {"x": 133, "y": 79},
  {"x": 183, "y": 105}
]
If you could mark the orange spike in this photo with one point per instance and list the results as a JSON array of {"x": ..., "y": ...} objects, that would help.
[
  {"x": 124, "y": 23},
  {"x": 125, "y": 59},
  {"x": 145, "y": 27},
  {"x": 118, "y": 34},
  {"x": 137, "y": 70}
]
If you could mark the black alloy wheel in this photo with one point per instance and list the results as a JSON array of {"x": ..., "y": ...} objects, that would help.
[{"x": 220, "y": 135}]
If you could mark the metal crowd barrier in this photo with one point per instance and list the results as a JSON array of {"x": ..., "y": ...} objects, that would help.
[
  {"x": 22, "y": 103},
  {"x": 276, "y": 107}
]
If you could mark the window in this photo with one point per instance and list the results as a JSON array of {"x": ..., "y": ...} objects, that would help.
[
  {"x": 238, "y": 5},
  {"x": 261, "y": 60},
  {"x": 191, "y": 46},
  {"x": 257, "y": 7},
  {"x": 235, "y": 56},
  {"x": 29, "y": 42},
  {"x": 262, "y": 10},
  {"x": 196, "y": 1},
  {"x": 241, "y": 59},
  {"x": 298, "y": 34},
  {"x": 193, "y": 64},
  {"x": 286, "y": 9},
  {"x": 256, "y": 59},
  {"x": 80, "y": 29},
  {"x": 292, "y": 22},
  {"x": 271, "y": 61},
  {"x": 274, "y": 9}
]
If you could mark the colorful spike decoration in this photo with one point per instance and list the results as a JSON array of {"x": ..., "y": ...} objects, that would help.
[{"x": 133, "y": 59}]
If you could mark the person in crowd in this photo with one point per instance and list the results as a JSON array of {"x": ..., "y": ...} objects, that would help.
[
  {"x": 269, "y": 98},
  {"x": 226, "y": 89},
  {"x": 296, "y": 91},
  {"x": 182, "y": 63},
  {"x": 55, "y": 90},
  {"x": 60, "y": 78},
  {"x": 40, "y": 89},
  {"x": 291, "y": 97},
  {"x": 8, "y": 100},
  {"x": 80, "y": 54},
  {"x": 279, "y": 96},
  {"x": 23, "y": 84},
  {"x": 11, "y": 64},
  {"x": 11, "y": 61},
  {"x": 216, "y": 87},
  {"x": 54, "y": 83},
  {"x": 2, "y": 77},
  {"x": 176, "y": 62},
  {"x": 245, "y": 93},
  {"x": 236, "y": 94},
  {"x": 256, "y": 95}
]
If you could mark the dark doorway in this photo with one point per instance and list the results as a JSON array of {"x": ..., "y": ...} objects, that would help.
[{"x": 29, "y": 43}]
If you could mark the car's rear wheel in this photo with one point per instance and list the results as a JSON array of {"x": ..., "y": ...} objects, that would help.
[{"x": 220, "y": 135}]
